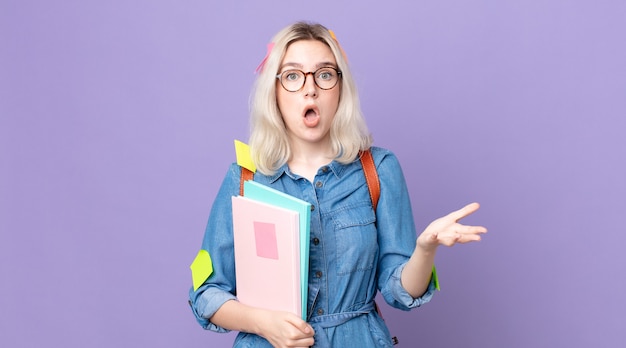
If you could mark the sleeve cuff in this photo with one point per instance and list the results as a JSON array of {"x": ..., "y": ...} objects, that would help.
[
  {"x": 207, "y": 304},
  {"x": 403, "y": 299}
]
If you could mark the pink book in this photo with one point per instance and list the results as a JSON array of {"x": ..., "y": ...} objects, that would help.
[{"x": 267, "y": 255}]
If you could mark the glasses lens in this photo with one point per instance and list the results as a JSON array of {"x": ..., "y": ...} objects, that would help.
[
  {"x": 326, "y": 78},
  {"x": 292, "y": 80}
]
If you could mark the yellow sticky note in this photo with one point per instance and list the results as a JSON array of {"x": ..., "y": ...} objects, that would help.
[
  {"x": 244, "y": 158},
  {"x": 435, "y": 278},
  {"x": 201, "y": 268}
]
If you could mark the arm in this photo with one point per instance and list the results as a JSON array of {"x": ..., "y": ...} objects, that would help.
[
  {"x": 214, "y": 303},
  {"x": 281, "y": 329},
  {"x": 443, "y": 231}
]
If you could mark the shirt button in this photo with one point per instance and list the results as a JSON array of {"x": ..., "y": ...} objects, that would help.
[
  {"x": 320, "y": 311},
  {"x": 324, "y": 169},
  {"x": 318, "y": 184},
  {"x": 318, "y": 274},
  {"x": 316, "y": 241},
  {"x": 312, "y": 207}
]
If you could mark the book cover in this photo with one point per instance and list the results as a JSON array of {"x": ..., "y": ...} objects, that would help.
[
  {"x": 267, "y": 255},
  {"x": 262, "y": 193}
]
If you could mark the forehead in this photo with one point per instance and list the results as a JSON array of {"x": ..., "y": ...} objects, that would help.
[{"x": 308, "y": 53}]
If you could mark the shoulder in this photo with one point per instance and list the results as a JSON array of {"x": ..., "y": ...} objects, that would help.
[
  {"x": 230, "y": 183},
  {"x": 235, "y": 174},
  {"x": 383, "y": 157}
]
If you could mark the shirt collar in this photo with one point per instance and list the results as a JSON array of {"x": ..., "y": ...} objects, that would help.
[{"x": 334, "y": 166}]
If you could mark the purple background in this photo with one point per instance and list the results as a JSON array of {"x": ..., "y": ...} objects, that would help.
[{"x": 116, "y": 128}]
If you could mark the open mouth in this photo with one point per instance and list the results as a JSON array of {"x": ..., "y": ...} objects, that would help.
[
  {"x": 310, "y": 113},
  {"x": 311, "y": 117}
]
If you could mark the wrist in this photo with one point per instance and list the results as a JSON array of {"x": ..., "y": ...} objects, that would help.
[{"x": 426, "y": 245}]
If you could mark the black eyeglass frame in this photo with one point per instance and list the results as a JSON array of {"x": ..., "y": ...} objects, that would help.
[{"x": 306, "y": 74}]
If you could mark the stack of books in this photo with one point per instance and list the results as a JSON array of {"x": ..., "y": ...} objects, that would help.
[{"x": 271, "y": 235}]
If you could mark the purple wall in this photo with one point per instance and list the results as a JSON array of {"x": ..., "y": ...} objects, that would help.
[{"x": 116, "y": 128}]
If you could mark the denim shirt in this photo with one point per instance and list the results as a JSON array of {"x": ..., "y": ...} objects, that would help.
[{"x": 354, "y": 251}]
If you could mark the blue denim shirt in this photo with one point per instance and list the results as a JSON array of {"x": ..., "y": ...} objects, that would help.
[{"x": 354, "y": 251}]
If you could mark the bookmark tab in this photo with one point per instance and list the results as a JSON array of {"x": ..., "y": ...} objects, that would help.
[
  {"x": 436, "y": 279},
  {"x": 332, "y": 34},
  {"x": 244, "y": 158},
  {"x": 201, "y": 268},
  {"x": 259, "y": 68}
]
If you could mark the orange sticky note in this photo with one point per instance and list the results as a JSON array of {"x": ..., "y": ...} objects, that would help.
[
  {"x": 201, "y": 268},
  {"x": 244, "y": 158}
]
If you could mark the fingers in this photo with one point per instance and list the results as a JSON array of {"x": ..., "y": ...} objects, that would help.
[
  {"x": 469, "y": 233},
  {"x": 306, "y": 329},
  {"x": 457, "y": 238},
  {"x": 302, "y": 326},
  {"x": 283, "y": 329},
  {"x": 460, "y": 234},
  {"x": 304, "y": 336},
  {"x": 448, "y": 231},
  {"x": 463, "y": 212}
]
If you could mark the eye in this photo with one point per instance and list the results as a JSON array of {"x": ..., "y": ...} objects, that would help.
[
  {"x": 326, "y": 74},
  {"x": 291, "y": 75}
]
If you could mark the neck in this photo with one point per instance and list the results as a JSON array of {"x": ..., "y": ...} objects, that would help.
[{"x": 306, "y": 159}]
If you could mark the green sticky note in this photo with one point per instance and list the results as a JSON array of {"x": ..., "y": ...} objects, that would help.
[
  {"x": 201, "y": 268},
  {"x": 435, "y": 279}
]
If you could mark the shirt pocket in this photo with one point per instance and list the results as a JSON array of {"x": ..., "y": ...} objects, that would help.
[{"x": 356, "y": 238}]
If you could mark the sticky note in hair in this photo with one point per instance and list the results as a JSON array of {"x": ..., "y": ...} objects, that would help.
[{"x": 244, "y": 158}]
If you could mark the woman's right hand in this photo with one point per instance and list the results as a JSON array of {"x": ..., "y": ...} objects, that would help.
[{"x": 283, "y": 329}]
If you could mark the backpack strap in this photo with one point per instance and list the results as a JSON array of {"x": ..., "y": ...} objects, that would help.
[
  {"x": 246, "y": 175},
  {"x": 371, "y": 176}
]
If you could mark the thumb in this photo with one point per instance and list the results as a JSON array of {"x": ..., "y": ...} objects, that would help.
[
  {"x": 306, "y": 328},
  {"x": 434, "y": 236},
  {"x": 302, "y": 325}
]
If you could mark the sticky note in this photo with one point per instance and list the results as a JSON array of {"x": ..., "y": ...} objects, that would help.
[
  {"x": 270, "y": 46},
  {"x": 201, "y": 268},
  {"x": 265, "y": 240},
  {"x": 244, "y": 158},
  {"x": 435, "y": 279}
]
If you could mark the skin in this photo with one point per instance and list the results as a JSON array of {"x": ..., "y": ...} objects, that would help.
[{"x": 309, "y": 139}]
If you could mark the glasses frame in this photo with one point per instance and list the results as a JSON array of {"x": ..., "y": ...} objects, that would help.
[{"x": 306, "y": 74}]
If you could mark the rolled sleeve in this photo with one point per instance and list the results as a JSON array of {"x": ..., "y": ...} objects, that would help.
[
  {"x": 206, "y": 303},
  {"x": 398, "y": 297}
]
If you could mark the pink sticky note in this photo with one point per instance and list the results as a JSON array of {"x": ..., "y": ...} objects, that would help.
[{"x": 265, "y": 238}]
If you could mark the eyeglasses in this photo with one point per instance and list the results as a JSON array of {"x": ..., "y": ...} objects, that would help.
[{"x": 293, "y": 80}]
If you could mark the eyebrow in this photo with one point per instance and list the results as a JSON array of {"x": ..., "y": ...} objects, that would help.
[{"x": 300, "y": 66}]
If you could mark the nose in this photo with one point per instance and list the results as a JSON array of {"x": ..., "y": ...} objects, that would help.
[{"x": 310, "y": 88}]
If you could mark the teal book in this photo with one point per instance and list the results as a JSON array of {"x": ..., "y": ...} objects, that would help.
[{"x": 266, "y": 194}]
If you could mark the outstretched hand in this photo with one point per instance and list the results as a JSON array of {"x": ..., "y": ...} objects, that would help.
[{"x": 448, "y": 231}]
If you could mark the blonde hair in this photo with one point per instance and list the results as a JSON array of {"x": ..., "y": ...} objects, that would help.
[{"x": 268, "y": 142}]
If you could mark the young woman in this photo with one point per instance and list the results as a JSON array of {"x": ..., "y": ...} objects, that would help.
[{"x": 306, "y": 135}]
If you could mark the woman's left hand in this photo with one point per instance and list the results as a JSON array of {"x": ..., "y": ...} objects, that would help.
[{"x": 448, "y": 231}]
